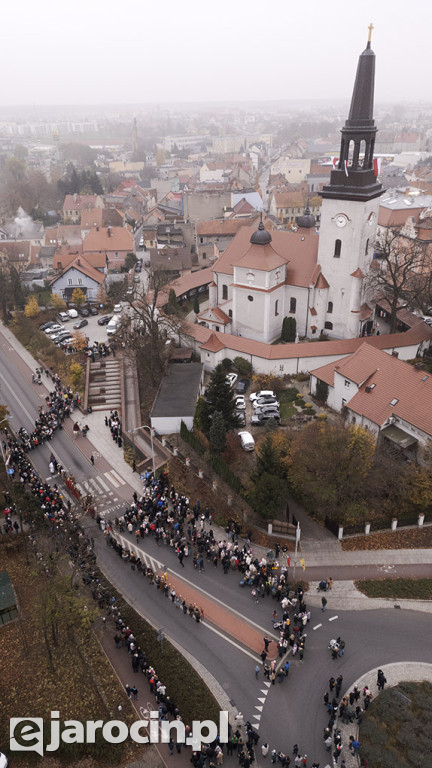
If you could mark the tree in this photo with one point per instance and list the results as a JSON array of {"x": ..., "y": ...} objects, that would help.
[
  {"x": 199, "y": 419},
  {"x": 79, "y": 341},
  {"x": 217, "y": 432},
  {"x": 243, "y": 366},
  {"x": 31, "y": 308},
  {"x": 145, "y": 331},
  {"x": 400, "y": 273},
  {"x": 220, "y": 397},
  {"x": 173, "y": 306},
  {"x": 130, "y": 261},
  {"x": 269, "y": 496},
  {"x": 196, "y": 306},
  {"x": 16, "y": 289},
  {"x": 331, "y": 468},
  {"x": 78, "y": 297},
  {"x": 75, "y": 372},
  {"x": 321, "y": 391},
  {"x": 57, "y": 302},
  {"x": 289, "y": 329}
]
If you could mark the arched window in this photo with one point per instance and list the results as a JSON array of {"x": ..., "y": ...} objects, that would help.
[
  {"x": 230, "y": 313},
  {"x": 293, "y": 304},
  {"x": 337, "y": 249},
  {"x": 330, "y": 307},
  {"x": 224, "y": 292},
  {"x": 276, "y": 307},
  {"x": 367, "y": 247},
  {"x": 328, "y": 326}
]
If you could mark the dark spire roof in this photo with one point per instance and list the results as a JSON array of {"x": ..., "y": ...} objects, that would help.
[
  {"x": 307, "y": 219},
  {"x": 261, "y": 236},
  {"x": 354, "y": 178}
]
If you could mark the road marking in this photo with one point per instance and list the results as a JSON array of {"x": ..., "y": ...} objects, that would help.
[
  {"x": 216, "y": 600},
  {"x": 268, "y": 685},
  {"x": 256, "y": 717},
  {"x": 228, "y": 640},
  {"x": 111, "y": 479},
  {"x": 260, "y": 709},
  {"x": 117, "y": 477},
  {"x": 333, "y": 618},
  {"x": 264, "y": 691},
  {"x": 103, "y": 484},
  {"x": 262, "y": 701},
  {"x": 317, "y": 626}
]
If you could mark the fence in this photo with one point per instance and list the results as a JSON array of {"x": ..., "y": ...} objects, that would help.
[{"x": 365, "y": 529}]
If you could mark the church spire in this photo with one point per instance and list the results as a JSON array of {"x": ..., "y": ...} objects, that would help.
[{"x": 354, "y": 178}]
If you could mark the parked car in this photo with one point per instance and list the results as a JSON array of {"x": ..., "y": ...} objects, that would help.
[
  {"x": 259, "y": 421},
  {"x": 45, "y": 326},
  {"x": 80, "y": 324},
  {"x": 263, "y": 393},
  {"x": 55, "y": 328},
  {"x": 240, "y": 403},
  {"x": 117, "y": 308},
  {"x": 104, "y": 320},
  {"x": 72, "y": 313},
  {"x": 113, "y": 326},
  {"x": 138, "y": 266},
  {"x": 231, "y": 378},
  {"x": 264, "y": 409},
  {"x": 83, "y": 311},
  {"x": 247, "y": 441},
  {"x": 265, "y": 401},
  {"x": 241, "y": 418},
  {"x": 65, "y": 336},
  {"x": 63, "y": 317},
  {"x": 141, "y": 242},
  {"x": 65, "y": 342},
  {"x": 92, "y": 309},
  {"x": 59, "y": 335},
  {"x": 130, "y": 291},
  {"x": 242, "y": 386}
]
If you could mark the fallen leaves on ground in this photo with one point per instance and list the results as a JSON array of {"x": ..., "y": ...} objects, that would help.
[{"x": 413, "y": 538}]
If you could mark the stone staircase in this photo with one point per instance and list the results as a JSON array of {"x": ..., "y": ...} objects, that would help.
[{"x": 104, "y": 393}]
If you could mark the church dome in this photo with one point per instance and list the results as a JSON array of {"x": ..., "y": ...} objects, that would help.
[
  {"x": 307, "y": 220},
  {"x": 261, "y": 236}
]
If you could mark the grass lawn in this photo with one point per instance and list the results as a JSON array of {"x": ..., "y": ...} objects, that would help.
[
  {"x": 395, "y": 731},
  {"x": 287, "y": 397},
  {"x": 80, "y": 682},
  {"x": 398, "y": 589}
]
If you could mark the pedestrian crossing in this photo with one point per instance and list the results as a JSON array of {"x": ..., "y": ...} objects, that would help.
[
  {"x": 97, "y": 486},
  {"x": 149, "y": 562}
]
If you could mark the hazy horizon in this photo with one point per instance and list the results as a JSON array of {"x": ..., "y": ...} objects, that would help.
[{"x": 87, "y": 55}]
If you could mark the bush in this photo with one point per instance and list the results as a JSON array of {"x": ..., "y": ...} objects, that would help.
[{"x": 243, "y": 366}]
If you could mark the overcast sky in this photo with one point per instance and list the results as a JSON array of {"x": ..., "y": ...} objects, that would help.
[{"x": 140, "y": 51}]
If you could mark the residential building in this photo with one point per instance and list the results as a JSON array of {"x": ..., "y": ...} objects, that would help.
[
  {"x": 74, "y": 205},
  {"x": 78, "y": 274},
  {"x": 387, "y": 396},
  {"x": 116, "y": 242}
]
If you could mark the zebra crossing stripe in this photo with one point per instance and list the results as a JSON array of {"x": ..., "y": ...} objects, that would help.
[
  {"x": 117, "y": 477},
  {"x": 105, "y": 487},
  {"x": 111, "y": 479},
  {"x": 147, "y": 559}
]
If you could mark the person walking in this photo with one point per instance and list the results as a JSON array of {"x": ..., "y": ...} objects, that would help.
[
  {"x": 381, "y": 680},
  {"x": 92, "y": 460},
  {"x": 257, "y": 671},
  {"x": 264, "y": 749},
  {"x": 323, "y": 604}
]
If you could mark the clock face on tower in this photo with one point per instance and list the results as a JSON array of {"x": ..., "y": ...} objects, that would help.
[{"x": 341, "y": 220}]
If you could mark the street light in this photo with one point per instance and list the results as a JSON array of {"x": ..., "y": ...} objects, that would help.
[{"x": 150, "y": 429}]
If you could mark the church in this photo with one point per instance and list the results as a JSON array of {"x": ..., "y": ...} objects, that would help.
[{"x": 316, "y": 277}]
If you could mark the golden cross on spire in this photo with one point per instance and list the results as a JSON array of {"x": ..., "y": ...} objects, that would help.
[{"x": 370, "y": 28}]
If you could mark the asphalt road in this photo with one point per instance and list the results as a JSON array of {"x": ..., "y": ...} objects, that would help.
[
  {"x": 291, "y": 712},
  {"x": 294, "y": 711}
]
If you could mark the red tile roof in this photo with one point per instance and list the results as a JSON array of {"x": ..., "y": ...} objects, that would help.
[
  {"x": 221, "y": 227},
  {"x": 80, "y": 202},
  {"x": 307, "y": 349},
  {"x": 92, "y": 217},
  {"x": 119, "y": 239},
  {"x": 296, "y": 249},
  {"x": 83, "y": 266}
]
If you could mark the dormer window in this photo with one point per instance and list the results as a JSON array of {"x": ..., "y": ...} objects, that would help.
[{"x": 250, "y": 276}]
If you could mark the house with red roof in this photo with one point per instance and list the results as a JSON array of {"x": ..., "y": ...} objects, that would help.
[{"x": 380, "y": 392}]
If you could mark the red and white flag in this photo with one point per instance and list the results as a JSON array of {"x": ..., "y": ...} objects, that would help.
[
  {"x": 335, "y": 161},
  {"x": 377, "y": 165},
  {"x": 346, "y": 167},
  {"x": 288, "y": 561}
]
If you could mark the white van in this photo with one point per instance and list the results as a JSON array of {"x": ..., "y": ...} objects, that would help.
[
  {"x": 73, "y": 313},
  {"x": 113, "y": 326},
  {"x": 247, "y": 441}
]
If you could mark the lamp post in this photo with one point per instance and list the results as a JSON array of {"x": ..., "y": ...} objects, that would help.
[
  {"x": 150, "y": 429},
  {"x": 298, "y": 533}
]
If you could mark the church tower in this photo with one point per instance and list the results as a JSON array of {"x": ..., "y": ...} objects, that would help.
[{"x": 350, "y": 209}]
